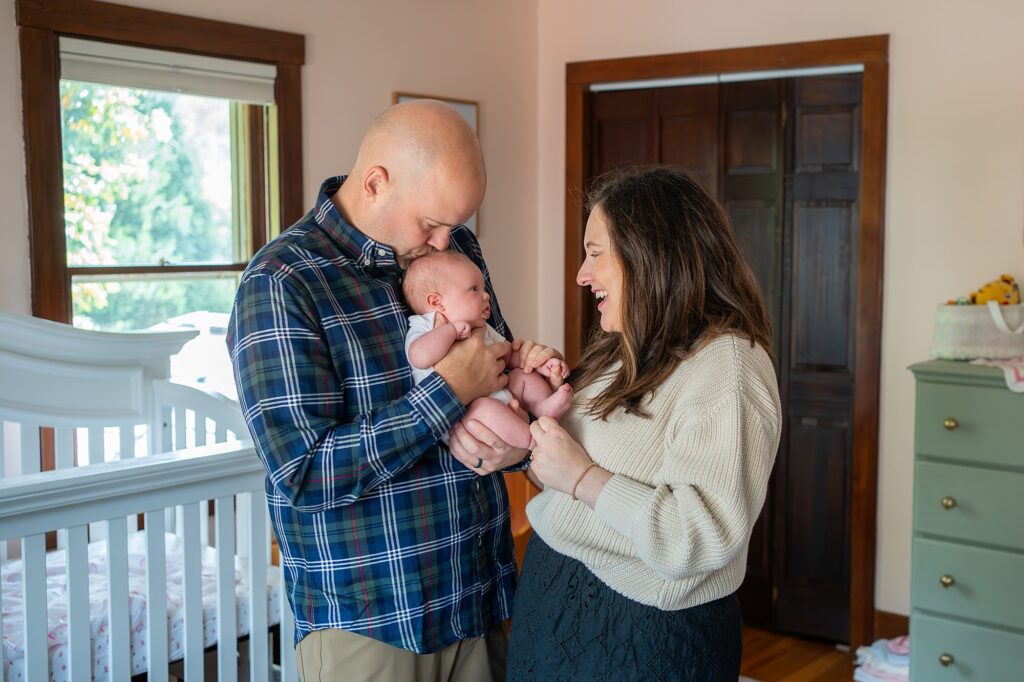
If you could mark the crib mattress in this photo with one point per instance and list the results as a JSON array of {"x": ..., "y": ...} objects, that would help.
[{"x": 57, "y": 600}]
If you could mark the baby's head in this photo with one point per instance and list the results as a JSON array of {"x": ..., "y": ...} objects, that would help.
[{"x": 449, "y": 283}]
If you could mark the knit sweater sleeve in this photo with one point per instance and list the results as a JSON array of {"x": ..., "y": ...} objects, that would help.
[{"x": 712, "y": 484}]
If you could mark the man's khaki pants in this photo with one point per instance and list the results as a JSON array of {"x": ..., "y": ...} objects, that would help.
[{"x": 340, "y": 656}]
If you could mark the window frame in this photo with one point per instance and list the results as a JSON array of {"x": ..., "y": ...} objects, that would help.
[{"x": 40, "y": 25}]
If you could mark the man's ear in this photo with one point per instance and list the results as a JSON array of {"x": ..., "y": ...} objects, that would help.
[
  {"x": 376, "y": 182},
  {"x": 435, "y": 302}
]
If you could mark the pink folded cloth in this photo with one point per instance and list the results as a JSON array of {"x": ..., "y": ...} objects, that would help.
[
  {"x": 899, "y": 645},
  {"x": 1013, "y": 370}
]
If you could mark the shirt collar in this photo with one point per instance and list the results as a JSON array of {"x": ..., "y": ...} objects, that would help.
[{"x": 366, "y": 252}]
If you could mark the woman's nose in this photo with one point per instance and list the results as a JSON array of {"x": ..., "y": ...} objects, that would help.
[{"x": 583, "y": 276}]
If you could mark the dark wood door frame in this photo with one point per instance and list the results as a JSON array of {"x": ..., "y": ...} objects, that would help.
[
  {"x": 873, "y": 53},
  {"x": 40, "y": 25}
]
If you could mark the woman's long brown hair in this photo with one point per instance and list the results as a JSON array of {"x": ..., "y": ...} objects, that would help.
[{"x": 684, "y": 282}]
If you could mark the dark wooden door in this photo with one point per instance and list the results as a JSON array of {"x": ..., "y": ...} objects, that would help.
[
  {"x": 810, "y": 512},
  {"x": 752, "y": 183},
  {"x": 781, "y": 156}
]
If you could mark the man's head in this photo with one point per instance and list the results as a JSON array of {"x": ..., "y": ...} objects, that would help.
[
  {"x": 419, "y": 173},
  {"x": 450, "y": 284}
]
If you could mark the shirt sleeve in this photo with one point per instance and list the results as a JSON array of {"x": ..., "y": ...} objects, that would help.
[
  {"x": 715, "y": 474},
  {"x": 294, "y": 405}
]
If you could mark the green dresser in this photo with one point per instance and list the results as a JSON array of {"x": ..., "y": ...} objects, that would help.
[{"x": 967, "y": 579}]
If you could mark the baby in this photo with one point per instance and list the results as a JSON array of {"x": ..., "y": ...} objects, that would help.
[{"x": 447, "y": 293}]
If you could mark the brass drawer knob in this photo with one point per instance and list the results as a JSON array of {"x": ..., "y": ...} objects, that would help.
[
  {"x": 950, "y": 423},
  {"x": 947, "y": 581},
  {"x": 946, "y": 660},
  {"x": 948, "y": 502}
]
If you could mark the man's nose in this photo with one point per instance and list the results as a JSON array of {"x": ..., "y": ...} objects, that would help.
[{"x": 439, "y": 239}]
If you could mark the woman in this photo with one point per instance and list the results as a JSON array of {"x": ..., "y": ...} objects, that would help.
[{"x": 654, "y": 480}]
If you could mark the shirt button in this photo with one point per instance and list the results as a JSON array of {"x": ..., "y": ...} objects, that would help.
[{"x": 380, "y": 252}]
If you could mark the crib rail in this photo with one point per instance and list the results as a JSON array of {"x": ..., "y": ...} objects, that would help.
[{"x": 70, "y": 499}]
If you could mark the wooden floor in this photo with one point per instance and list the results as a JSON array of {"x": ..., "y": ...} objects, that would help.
[{"x": 768, "y": 657}]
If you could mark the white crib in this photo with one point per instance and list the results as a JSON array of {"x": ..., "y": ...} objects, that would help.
[{"x": 87, "y": 594}]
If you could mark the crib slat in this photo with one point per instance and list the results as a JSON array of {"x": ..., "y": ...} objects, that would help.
[
  {"x": 156, "y": 595},
  {"x": 220, "y": 434},
  {"x": 126, "y": 432},
  {"x": 64, "y": 458},
  {"x": 289, "y": 669},
  {"x": 163, "y": 439},
  {"x": 117, "y": 599},
  {"x": 33, "y": 556},
  {"x": 79, "y": 648},
  {"x": 94, "y": 435},
  {"x": 200, "y": 428},
  {"x": 97, "y": 448},
  {"x": 179, "y": 429},
  {"x": 191, "y": 548},
  {"x": 29, "y": 449},
  {"x": 259, "y": 653},
  {"x": 227, "y": 628}
]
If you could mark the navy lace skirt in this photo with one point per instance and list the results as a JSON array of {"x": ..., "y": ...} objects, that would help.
[{"x": 568, "y": 625}]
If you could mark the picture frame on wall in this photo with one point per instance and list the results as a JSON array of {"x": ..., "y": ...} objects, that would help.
[{"x": 470, "y": 110}]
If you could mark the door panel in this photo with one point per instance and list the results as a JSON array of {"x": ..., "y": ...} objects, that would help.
[
  {"x": 752, "y": 183},
  {"x": 811, "y": 562}
]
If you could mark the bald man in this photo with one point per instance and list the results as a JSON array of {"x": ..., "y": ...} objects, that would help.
[{"x": 398, "y": 556}]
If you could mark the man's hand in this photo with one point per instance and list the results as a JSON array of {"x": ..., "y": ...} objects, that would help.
[
  {"x": 471, "y": 442},
  {"x": 472, "y": 368}
]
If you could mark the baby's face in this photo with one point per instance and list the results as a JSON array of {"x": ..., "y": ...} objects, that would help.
[{"x": 464, "y": 296}]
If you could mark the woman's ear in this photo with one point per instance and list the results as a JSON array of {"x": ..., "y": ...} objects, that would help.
[{"x": 435, "y": 302}]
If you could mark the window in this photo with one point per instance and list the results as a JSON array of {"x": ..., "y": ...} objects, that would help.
[{"x": 176, "y": 155}]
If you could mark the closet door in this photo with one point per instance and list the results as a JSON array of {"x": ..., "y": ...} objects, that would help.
[
  {"x": 678, "y": 126},
  {"x": 812, "y": 479},
  {"x": 752, "y": 183}
]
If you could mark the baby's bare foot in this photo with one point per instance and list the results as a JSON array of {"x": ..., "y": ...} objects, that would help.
[{"x": 556, "y": 404}]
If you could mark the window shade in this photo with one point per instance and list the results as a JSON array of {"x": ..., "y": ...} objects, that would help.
[{"x": 137, "y": 67}]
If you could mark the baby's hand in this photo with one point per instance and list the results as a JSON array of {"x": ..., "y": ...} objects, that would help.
[
  {"x": 555, "y": 367},
  {"x": 462, "y": 330}
]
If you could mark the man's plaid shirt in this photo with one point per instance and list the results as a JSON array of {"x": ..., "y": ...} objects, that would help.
[{"x": 382, "y": 532}]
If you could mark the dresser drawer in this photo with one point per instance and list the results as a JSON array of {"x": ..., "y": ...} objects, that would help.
[
  {"x": 978, "y": 653},
  {"x": 987, "y": 423},
  {"x": 982, "y": 584},
  {"x": 987, "y": 506}
]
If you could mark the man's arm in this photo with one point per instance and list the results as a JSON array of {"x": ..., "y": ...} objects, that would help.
[{"x": 294, "y": 404}]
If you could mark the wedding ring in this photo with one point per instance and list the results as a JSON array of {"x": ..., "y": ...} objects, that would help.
[{"x": 479, "y": 463}]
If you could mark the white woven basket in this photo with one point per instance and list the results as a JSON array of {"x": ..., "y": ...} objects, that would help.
[{"x": 966, "y": 332}]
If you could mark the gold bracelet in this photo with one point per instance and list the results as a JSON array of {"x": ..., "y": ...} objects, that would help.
[{"x": 580, "y": 480}]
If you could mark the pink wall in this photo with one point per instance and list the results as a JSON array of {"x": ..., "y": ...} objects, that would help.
[
  {"x": 955, "y": 193},
  {"x": 356, "y": 55},
  {"x": 955, "y": 190}
]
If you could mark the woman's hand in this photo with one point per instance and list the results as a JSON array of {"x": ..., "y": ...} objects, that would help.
[
  {"x": 558, "y": 459},
  {"x": 531, "y": 356}
]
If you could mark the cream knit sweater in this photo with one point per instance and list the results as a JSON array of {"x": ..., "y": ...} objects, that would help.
[{"x": 671, "y": 527}]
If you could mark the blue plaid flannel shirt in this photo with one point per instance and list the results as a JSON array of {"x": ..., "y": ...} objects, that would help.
[{"x": 381, "y": 530}]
